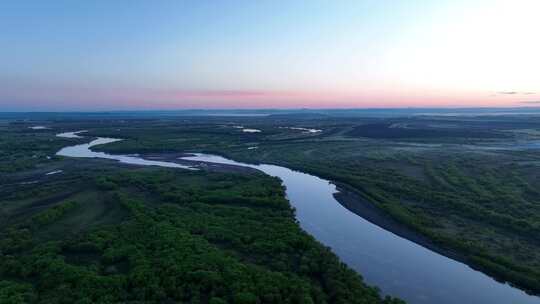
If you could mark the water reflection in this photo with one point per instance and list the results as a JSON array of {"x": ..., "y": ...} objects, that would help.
[{"x": 83, "y": 150}]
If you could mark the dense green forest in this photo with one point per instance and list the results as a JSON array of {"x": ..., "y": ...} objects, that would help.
[
  {"x": 100, "y": 232},
  {"x": 468, "y": 190},
  {"x": 486, "y": 208},
  {"x": 471, "y": 193}
]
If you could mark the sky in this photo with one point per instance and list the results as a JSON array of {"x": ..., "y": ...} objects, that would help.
[{"x": 137, "y": 55}]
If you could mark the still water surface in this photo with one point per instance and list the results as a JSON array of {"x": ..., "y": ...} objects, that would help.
[
  {"x": 399, "y": 267},
  {"x": 83, "y": 150}
]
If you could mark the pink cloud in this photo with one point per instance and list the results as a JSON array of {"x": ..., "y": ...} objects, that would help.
[{"x": 71, "y": 98}]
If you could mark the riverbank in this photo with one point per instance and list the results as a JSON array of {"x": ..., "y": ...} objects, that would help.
[
  {"x": 353, "y": 201},
  {"x": 360, "y": 206},
  {"x": 347, "y": 197},
  {"x": 408, "y": 268},
  {"x": 387, "y": 260},
  {"x": 111, "y": 233}
]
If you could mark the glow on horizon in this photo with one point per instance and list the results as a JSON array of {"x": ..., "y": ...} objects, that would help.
[{"x": 345, "y": 54}]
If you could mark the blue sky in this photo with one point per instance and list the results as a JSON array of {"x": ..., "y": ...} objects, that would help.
[{"x": 74, "y": 55}]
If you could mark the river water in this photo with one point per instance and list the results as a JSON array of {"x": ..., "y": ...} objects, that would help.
[
  {"x": 83, "y": 150},
  {"x": 397, "y": 266}
]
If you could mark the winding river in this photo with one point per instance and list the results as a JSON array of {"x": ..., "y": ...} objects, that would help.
[{"x": 399, "y": 267}]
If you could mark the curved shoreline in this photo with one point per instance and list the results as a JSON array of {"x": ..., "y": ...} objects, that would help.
[
  {"x": 349, "y": 198},
  {"x": 355, "y": 203},
  {"x": 362, "y": 207}
]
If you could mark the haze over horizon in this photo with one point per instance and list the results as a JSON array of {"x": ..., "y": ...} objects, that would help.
[{"x": 65, "y": 55}]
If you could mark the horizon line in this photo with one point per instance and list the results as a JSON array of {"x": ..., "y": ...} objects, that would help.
[{"x": 284, "y": 109}]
